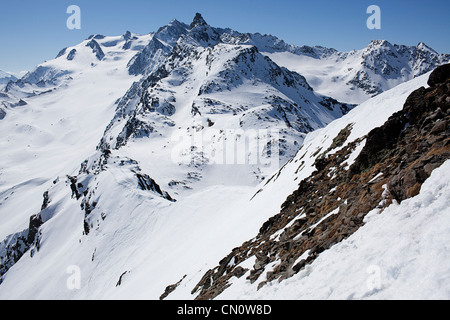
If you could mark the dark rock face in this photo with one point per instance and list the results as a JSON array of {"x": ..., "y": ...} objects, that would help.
[
  {"x": 71, "y": 54},
  {"x": 408, "y": 135},
  {"x": 16, "y": 245},
  {"x": 440, "y": 75},
  {"x": 147, "y": 183},
  {"x": 170, "y": 289},
  {"x": 134, "y": 128},
  {"x": 61, "y": 53},
  {"x": 96, "y": 49},
  {"x": 35, "y": 223},
  {"x": 198, "y": 21},
  {"x": 11, "y": 250},
  {"x": 324, "y": 211},
  {"x": 46, "y": 201},
  {"x": 127, "y": 35}
]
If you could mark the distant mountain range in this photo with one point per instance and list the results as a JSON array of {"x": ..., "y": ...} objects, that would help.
[
  {"x": 6, "y": 77},
  {"x": 358, "y": 75}
]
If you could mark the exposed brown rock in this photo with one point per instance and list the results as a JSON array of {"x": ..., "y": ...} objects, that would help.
[
  {"x": 171, "y": 288},
  {"x": 406, "y": 149}
]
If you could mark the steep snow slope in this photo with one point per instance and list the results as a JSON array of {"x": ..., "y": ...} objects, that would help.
[
  {"x": 153, "y": 196},
  {"x": 271, "y": 195},
  {"x": 153, "y": 242},
  {"x": 227, "y": 94},
  {"x": 348, "y": 181},
  {"x": 401, "y": 254},
  {"x": 58, "y": 124}
]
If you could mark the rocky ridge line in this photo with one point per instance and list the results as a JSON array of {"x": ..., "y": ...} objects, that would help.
[{"x": 331, "y": 204}]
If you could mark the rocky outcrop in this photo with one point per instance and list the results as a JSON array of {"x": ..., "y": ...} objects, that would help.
[
  {"x": 331, "y": 204},
  {"x": 439, "y": 76},
  {"x": 170, "y": 289},
  {"x": 16, "y": 245},
  {"x": 147, "y": 183},
  {"x": 198, "y": 21},
  {"x": 96, "y": 49},
  {"x": 71, "y": 54}
]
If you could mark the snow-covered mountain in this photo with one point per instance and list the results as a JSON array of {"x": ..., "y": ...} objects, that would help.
[
  {"x": 362, "y": 220},
  {"x": 135, "y": 162},
  {"x": 5, "y": 78},
  {"x": 352, "y": 77},
  {"x": 358, "y": 75},
  {"x": 207, "y": 88},
  {"x": 166, "y": 110}
]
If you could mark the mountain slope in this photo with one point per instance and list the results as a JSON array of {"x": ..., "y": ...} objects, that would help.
[
  {"x": 349, "y": 180},
  {"x": 6, "y": 77},
  {"x": 151, "y": 237},
  {"x": 140, "y": 161},
  {"x": 357, "y": 75},
  {"x": 75, "y": 166},
  {"x": 205, "y": 92},
  {"x": 53, "y": 123},
  {"x": 384, "y": 260}
]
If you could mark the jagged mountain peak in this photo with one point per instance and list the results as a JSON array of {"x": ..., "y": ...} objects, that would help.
[
  {"x": 379, "y": 46},
  {"x": 173, "y": 29},
  {"x": 385, "y": 45},
  {"x": 198, "y": 21},
  {"x": 379, "y": 43},
  {"x": 127, "y": 35},
  {"x": 424, "y": 47}
]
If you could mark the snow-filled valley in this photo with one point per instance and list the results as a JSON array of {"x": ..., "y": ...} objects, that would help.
[{"x": 132, "y": 163}]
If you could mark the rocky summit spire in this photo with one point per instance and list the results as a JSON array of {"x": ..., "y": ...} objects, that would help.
[{"x": 198, "y": 21}]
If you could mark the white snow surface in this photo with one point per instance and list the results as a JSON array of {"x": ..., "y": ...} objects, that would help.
[
  {"x": 400, "y": 254},
  {"x": 147, "y": 240},
  {"x": 358, "y": 75},
  {"x": 53, "y": 133}
]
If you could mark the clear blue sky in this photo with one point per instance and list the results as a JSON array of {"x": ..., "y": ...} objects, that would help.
[{"x": 34, "y": 31}]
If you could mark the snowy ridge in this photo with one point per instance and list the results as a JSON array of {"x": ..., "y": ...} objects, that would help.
[
  {"x": 118, "y": 162},
  {"x": 167, "y": 224},
  {"x": 52, "y": 126},
  {"x": 342, "y": 186},
  {"x": 271, "y": 194},
  {"x": 6, "y": 77},
  {"x": 357, "y": 75},
  {"x": 407, "y": 247},
  {"x": 165, "y": 104}
]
